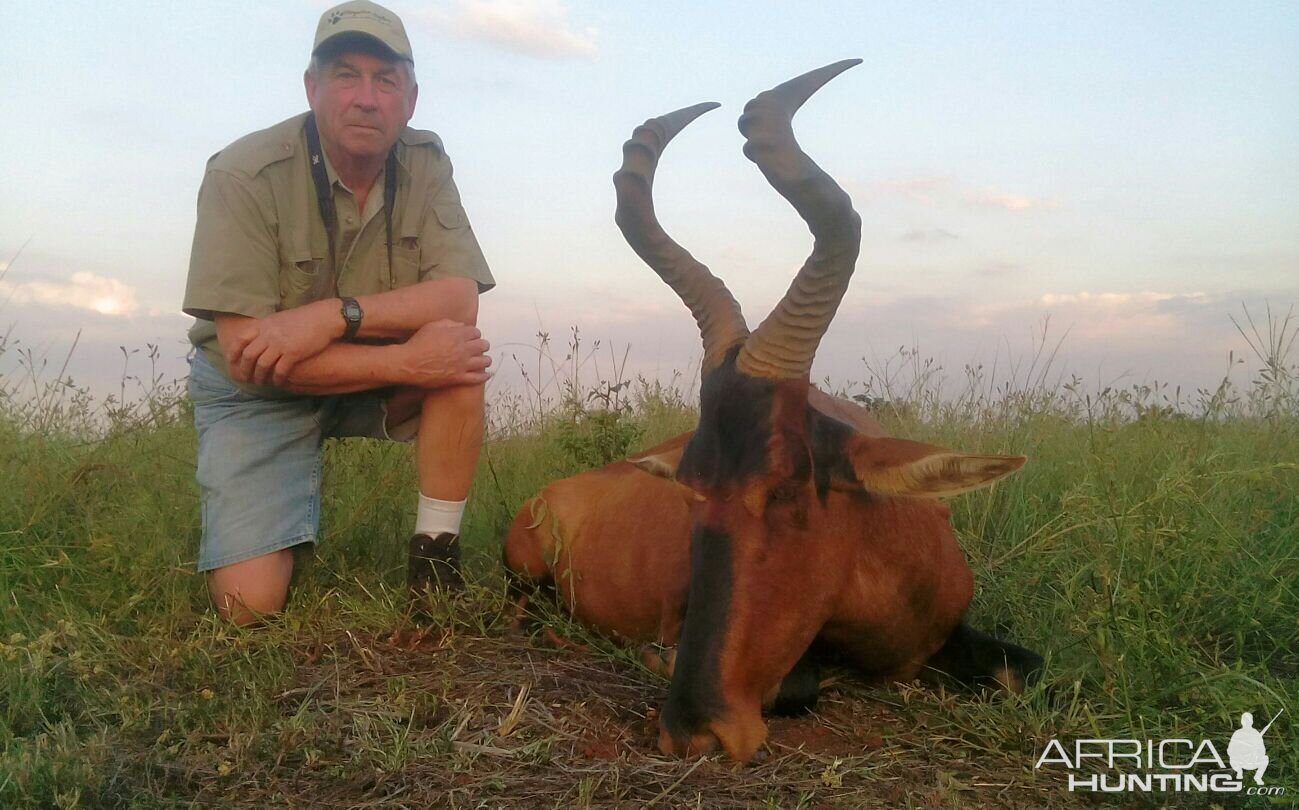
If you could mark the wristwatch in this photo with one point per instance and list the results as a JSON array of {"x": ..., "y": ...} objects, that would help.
[{"x": 352, "y": 314}]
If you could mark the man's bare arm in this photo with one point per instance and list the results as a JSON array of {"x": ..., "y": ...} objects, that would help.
[
  {"x": 438, "y": 354},
  {"x": 399, "y": 313},
  {"x": 271, "y": 348}
]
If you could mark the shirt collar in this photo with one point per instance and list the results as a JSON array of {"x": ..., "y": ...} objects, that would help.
[
  {"x": 373, "y": 201},
  {"x": 378, "y": 183},
  {"x": 402, "y": 158}
]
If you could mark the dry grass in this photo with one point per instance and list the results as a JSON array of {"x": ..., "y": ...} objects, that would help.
[{"x": 452, "y": 714}]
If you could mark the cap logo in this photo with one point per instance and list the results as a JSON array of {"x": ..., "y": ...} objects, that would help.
[{"x": 337, "y": 16}]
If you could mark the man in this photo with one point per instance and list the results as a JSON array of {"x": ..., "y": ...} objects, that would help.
[{"x": 335, "y": 280}]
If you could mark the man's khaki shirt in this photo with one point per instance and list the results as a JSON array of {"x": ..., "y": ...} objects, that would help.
[{"x": 260, "y": 245}]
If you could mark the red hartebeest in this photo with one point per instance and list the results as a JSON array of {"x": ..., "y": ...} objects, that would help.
[{"x": 786, "y": 516}]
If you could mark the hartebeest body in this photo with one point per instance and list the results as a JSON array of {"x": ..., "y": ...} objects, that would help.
[{"x": 786, "y": 516}]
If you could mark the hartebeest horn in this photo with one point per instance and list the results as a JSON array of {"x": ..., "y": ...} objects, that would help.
[
  {"x": 720, "y": 322},
  {"x": 784, "y": 345}
]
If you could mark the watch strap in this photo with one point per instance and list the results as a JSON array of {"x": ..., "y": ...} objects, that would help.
[{"x": 352, "y": 315}]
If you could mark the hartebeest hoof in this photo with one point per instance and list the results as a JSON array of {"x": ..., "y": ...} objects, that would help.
[
  {"x": 660, "y": 661},
  {"x": 978, "y": 659}
]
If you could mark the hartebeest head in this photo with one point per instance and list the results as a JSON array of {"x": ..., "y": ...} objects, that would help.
[{"x": 762, "y": 465}]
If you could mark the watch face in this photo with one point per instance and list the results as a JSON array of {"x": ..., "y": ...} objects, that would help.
[{"x": 352, "y": 311}]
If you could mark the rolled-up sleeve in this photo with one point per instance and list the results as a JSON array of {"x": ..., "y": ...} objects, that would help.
[
  {"x": 449, "y": 248},
  {"x": 234, "y": 262}
]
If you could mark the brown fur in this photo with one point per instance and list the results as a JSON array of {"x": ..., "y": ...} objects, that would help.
[
  {"x": 883, "y": 581},
  {"x": 621, "y": 571}
]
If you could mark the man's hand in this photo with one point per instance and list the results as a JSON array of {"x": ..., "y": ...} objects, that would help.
[
  {"x": 444, "y": 353},
  {"x": 267, "y": 349}
]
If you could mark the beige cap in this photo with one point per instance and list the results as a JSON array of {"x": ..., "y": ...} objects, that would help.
[{"x": 368, "y": 19}]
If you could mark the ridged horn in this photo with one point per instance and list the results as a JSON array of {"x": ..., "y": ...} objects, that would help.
[
  {"x": 784, "y": 345},
  {"x": 715, "y": 310}
]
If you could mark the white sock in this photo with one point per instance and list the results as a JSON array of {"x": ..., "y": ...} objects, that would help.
[{"x": 437, "y": 517}]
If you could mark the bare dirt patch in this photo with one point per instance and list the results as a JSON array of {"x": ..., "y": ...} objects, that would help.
[{"x": 454, "y": 717}]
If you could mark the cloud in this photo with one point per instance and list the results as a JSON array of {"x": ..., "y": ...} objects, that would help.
[
  {"x": 924, "y": 190},
  {"x": 538, "y": 28},
  {"x": 1103, "y": 318},
  {"x": 929, "y": 235},
  {"x": 107, "y": 296},
  {"x": 947, "y": 192},
  {"x": 1112, "y": 301},
  {"x": 1004, "y": 200},
  {"x": 997, "y": 269},
  {"x": 1106, "y": 338}
]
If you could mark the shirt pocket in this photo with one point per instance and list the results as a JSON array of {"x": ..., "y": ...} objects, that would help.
[
  {"x": 446, "y": 234},
  {"x": 451, "y": 215},
  {"x": 405, "y": 262},
  {"x": 304, "y": 279}
]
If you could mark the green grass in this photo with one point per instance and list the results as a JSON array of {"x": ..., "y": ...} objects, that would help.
[{"x": 1149, "y": 549}]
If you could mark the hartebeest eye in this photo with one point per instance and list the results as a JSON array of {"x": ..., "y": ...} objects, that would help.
[
  {"x": 785, "y": 491},
  {"x": 786, "y": 506}
]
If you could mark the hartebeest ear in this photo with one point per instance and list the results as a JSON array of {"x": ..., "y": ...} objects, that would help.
[
  {"x": 662, "y": 464},
  {"x": 903, "y": 467}
]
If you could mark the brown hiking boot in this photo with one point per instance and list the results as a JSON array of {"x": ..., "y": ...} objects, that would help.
[{"x": 434, "y": 564}]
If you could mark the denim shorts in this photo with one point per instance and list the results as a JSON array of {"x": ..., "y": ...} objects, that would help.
[{"x": 259, "y": 461}]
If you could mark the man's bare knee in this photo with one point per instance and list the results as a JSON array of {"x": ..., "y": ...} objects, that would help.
[
  {"x": 247, "y": 590},
  {"x": 468, "y": 397}
]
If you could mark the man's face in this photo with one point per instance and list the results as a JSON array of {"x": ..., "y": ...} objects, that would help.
[{"x": 361, "y": 103}]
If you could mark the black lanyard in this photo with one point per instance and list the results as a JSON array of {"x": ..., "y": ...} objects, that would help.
[{"x": 325, "y": 196}]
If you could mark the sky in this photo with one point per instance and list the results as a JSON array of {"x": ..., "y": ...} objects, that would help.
[{"x": 1122, "y": 176}]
